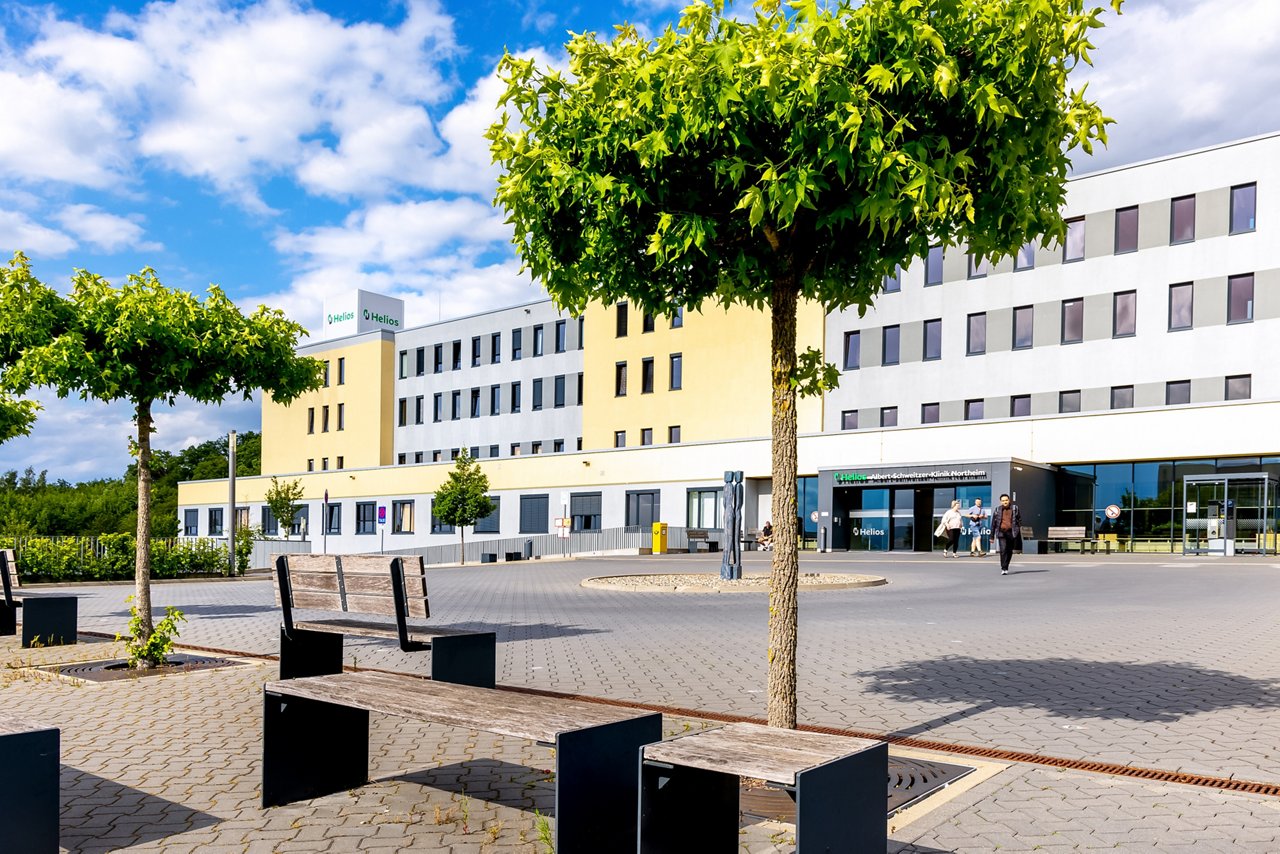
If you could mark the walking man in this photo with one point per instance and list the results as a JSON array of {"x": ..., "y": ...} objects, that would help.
[
  {"x": 1006, "y": 527},
  {"x": 977, "y": 521}
]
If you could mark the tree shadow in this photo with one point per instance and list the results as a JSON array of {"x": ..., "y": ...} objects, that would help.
[
  {"x": 101, "y": 815},
  {"x": 493, "y": 781},
  {"x": 1154, "y": 692}
]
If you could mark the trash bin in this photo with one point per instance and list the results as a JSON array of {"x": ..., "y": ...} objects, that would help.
[
  {"x": 528, "y": 549},
  {"x": 659, "y": 538}
]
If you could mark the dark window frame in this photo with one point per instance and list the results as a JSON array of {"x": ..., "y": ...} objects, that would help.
[
  {"x": 1191, "y": 305},
  {"x": 1232, "y": 227},
  {"x": 1067, "y": 258},
  {"x": 1121, "y": 389},
  {"x": 1173, "y": 220},
  {"x": 1124, "y": 212},
  {"x": 1074, "y": 304},
  {"x": 969, "y": 349},
  {"x": 897, "y": 345},
  {"x": 1115, "y": 314}
]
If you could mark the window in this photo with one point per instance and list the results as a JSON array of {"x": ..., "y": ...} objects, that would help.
[
  {"x": 402, "y": 409},
  {"x": 311, "y": 464},
  {"x": 438, "y": 527},
  {"x": 849, "y": 419},
  {"x": 495, "y": 400},
  {"x": 561, "y": 335},
  {"x": 533, "y": 514},
  {"x": 1238, "y": 388},
  {"x": 643, "y": 509},
  {"x": 1026, "y": 257},
  {"x": 677, "y": 319},
  {"x": 1244, "y": 206},
  {"x": 333, "y": 518},
  {"x": 888, "y": 416},
  {"x": 190, "y": 523},
  {"x": 537, "y": 395},
  {"x": 489, "y": 524},
  {"x": 582, "y": 340},
  {"x": 1177, "y": 392},
  {"x": 646, "y": 376},
  {"x": 437, "y": 407},
  {"x": 1020, "y": 406},
  {"x": 1072, "y": 321},
  {"x": 930, "y": 413},
  {"x": 475, "y": 351},
  {"x": 269, "y": 525},
  {"x": 1122, "y": 397},
  {"x": 535, "y": 448},
  {"x": 517, "y": 344},
  {"x": 646, "y": 322},
  {"x": 622, "y": 320},
  {"x": 1127, "y": 230},
  {"x": 515, "y": 397},
  {"x": 1124, "y": 314},
  {"x": 557, "y": 446},
  {"x": 420, "y": 361},
  {"x": 298, "y": 525},
  {"x": 677, "y": 371},
  {"x": 889, "y": 346},
  {"x": 1180, "y": 306},
  {"x": 475, "y": 452},
  {"x": 852, "y": 350},
  {"x": 493, "y": 450},
  {"x": 437, "y": 359},
  {"x": 1240, "y": 299},
  {"x": 1073, "y": 248},
  {"x": 646, "y": 435},
  {"x": 978, "y": 267},
  {"x": 538, "y": 340},
  {"x": 933, "y": 266},
  {"x": 704, "y": 508},
  {"x": 342, "y": 370},
  {"x": 580, "y": 389},
  {"x": 456, "y": 352},
  {"x": 402, "y": 459},
  {"x": 455, "y": 405},
  {"x": 584, "y": 509},
  {"x": 311, "y": 419},
  {"x": 1069, "y": 401},
  {"x": 418, "y": 407},
  {"x": 324, "y": 419},
  {"x": 341, "y": 461},
  {"x": 620, "y": 379},
  {"x": 365, "y": 517},
  {"x": 342, "y": 416},
  {"x": 1023, "y": 317},
  {"x": 620, "y": 438},
  {"x": 417, "y": 457},
  {"x": 977, "y": 343},
  {"x": 1182, "y": 220},
  {"x": 559, "y": 392},
  {"x": 673, "y": 436},
  {"x": 495, "y": 348},
  {"x": 932, "y": 339},
  {"x": 475, "y": 403},
  {"x": 454, "y": 452},
  {"x": 404, "y": 364},
  {"x": 215, "y": 521},
  {"x": 892, "y": 282},
  {"x": 973, "y": 410},
  {"x": 326, "y": 373}
]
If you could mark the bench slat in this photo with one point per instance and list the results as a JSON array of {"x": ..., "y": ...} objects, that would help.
[
  {"x": 1067, "y": 532},
  {"x": 502, "y": 712},
  {"x": 317, "y": 601},
  {"x": 371, "y": 629},
  {"x": 751, "y": 750}
]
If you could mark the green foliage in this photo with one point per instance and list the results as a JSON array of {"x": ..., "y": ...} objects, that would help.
[
  {"x": 155, "y": 648},
  {"x": 283, "y": 498},
  {"x": 812, "y": 375},
  {"x": 111, "y": 557},
  {"x": 244, "y": 547},
  {"x": 463, "y": 498}
]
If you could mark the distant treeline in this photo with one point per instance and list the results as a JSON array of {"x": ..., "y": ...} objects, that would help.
[{"x": 31, "y": 505}]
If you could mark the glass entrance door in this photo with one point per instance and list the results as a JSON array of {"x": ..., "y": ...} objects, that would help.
[{"x": 1225, "y": 514}]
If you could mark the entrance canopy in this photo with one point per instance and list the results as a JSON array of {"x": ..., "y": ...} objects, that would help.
[{"x": 1227, "y": 513}]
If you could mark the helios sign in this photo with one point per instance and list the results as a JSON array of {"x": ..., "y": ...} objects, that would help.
[
  {"x": 361, "y": 311},
  {"x": 857, "y": 478}
]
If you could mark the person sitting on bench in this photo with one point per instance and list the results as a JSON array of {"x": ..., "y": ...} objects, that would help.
[{"x": 766, "y": 536}]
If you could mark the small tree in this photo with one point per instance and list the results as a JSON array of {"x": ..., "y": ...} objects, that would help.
[
  {"x": 283, "y": 498},
  {"x": 462, "y": 499},
  {"x": 145, "y": 344}
]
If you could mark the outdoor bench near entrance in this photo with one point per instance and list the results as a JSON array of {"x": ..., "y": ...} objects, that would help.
[
  {"x": 377, "y": 585},
  {"x": 316, "y": 742},
  {"x": 689, "y": 788},
  {"x": 47, "y": 619},
  {"x": 28, "y": 786}
]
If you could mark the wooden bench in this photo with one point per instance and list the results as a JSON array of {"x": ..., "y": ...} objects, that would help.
[
  {"x": 375, "y": 585},
  {"x": 47, "y": 619},
  {"x": 29, "y": 782},
  {"x": 699, "y": 540},
  {"x": 838, "y": 784},
  {"x": 316, "y": 742},
  {"x": 1071, "y": 533}
]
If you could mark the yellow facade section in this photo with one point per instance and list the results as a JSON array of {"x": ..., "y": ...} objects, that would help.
[
  {"x": 724, "y": 365},
  {"x": 358, "y": 400}
]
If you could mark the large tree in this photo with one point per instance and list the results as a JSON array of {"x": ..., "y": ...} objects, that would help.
[
  {"x": 463, "y": 499},
  {"x": 802, "y": 154},
  {"x": 145, "y": 344}
]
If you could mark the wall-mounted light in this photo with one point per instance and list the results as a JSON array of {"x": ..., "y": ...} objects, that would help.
[{"x": 586, "y": 462}]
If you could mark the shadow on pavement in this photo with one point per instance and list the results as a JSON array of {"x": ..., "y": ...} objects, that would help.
[
  {"x": 1155, "y": 692},
  {"x": 100, "y": 815},
  {"x": 492, "y": 780}
]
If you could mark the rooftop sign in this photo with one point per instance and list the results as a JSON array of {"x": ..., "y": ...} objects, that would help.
[{"x": 362, "y": 311}]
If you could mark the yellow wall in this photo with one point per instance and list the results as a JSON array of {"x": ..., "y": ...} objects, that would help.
[
  {"x": 367, "y": 395},
  {"x": 725, "y": 392}
]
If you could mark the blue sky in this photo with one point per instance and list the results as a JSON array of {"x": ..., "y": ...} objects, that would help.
[{"x": 291, "y": 150}]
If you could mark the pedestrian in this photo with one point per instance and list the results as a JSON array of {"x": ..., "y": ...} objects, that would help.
[
  {"x": 952, "y": 522},
  {"x": 766, "y": 536},
  {"x": 977, "y": 521},
  {"x": 1006, "y": 527}
]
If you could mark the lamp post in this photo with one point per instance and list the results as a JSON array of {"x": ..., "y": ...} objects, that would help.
[{"x": 231, "y": 502}]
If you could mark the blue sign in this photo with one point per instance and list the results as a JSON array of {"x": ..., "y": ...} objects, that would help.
[{"x": 382, "y": 514}]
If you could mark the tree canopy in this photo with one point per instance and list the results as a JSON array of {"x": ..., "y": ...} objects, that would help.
[
  {"x": 805, "y": 152},
  {"x": 463, "y": 498}
]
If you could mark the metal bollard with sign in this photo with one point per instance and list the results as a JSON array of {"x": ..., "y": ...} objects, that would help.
[{"x": 659, "y": 538}]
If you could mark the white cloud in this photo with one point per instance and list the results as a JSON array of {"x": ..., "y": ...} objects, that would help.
[
  {"x": 19, "y": 234},
  {"x": 106, "y": 231}
]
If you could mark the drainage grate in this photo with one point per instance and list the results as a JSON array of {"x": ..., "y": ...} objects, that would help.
[
  {"x": 910, "y": 781},
  {"x": 115, "y": 669}
]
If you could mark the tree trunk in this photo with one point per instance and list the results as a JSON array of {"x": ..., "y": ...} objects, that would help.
[
  {"x": 783, "y": 612},
  {"x": 142, "y": 566},
  {"x": 462, "y": 545}
]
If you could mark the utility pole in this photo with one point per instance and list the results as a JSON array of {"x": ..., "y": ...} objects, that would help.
[{"x": 231, "y": 502}]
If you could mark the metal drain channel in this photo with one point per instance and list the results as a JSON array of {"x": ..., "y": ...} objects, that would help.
[{"x": 1271, "y": 790}]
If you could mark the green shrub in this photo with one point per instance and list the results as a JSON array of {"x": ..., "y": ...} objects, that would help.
[{"x": 112, "y": 557}]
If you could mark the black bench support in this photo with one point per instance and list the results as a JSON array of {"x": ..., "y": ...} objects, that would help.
[
  {"x": 306, "y": 653},
  {"x": 29, "y": 780},
  {"x": 311, "y": 749},
  {"x": 840, "y": 806},
  {"x": 667, "y": 791},
  {"x": 596, "y": 785},
  {"x": 48, "y": 621},
  {"x": 469, "y": 659},
  {"x": 8, "y": 619}
]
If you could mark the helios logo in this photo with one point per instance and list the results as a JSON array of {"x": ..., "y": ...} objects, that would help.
[
  {"x": 384, "y": 319},
  {"x": 340, "y": 317}
]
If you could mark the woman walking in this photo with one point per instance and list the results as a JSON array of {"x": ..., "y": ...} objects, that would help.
[{"x": 952, "y": 521}]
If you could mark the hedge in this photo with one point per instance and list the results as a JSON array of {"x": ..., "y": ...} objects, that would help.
[{"x": 111, "y": 557}]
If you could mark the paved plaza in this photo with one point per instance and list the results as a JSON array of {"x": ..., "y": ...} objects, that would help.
[{"x": 1165, "y": 662}]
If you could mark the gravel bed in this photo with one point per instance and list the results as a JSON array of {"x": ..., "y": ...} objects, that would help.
[{"x": 708, "y": 582}]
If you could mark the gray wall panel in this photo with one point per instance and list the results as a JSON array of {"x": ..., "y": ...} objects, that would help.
[
  {"x": 911, "y": 342},
  {"x": 1209, "y": 302},
  {"x": 1213, "y": 213},
  {"x": 1153, "y": 224},
  {"x": 1048, "y": 324},
  {"x": 1099, "y": 234},
  {"x": 1097, "y": 317},
  {"x": 1266, "y": 295},
  {"x": 999, "y": 330}
]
